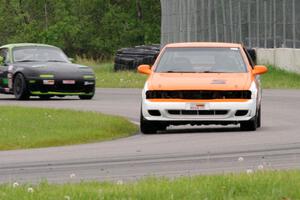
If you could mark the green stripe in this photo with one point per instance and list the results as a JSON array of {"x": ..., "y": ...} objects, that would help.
[
  {"x": 59, "y": 93},
  {"x": 47, "y": 76},
  {"x": 88, "y": 76}
]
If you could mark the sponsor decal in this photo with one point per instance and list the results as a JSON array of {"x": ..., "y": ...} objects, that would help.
[
  {"x": 218, "y": 82},
  {"x": 48, "y": 82},
  {"x": 5, "y": 81},
  {"x": 69, "y": 82}
]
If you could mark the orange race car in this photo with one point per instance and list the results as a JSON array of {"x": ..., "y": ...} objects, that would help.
[{"x": 201, "y": 84}]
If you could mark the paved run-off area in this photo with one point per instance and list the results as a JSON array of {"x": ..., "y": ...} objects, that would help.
[{"x": 185, "y": 151}]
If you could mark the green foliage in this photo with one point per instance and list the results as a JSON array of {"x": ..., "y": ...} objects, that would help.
[
  {"x": 280, "y": 79},
  {"x": 94, "y": 28}
]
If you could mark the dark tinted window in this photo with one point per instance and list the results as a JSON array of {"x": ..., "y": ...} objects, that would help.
[
  {"x": 201, "y": 60},
  {"x": 251, "y": 55},
  {"x": 38, "y": 54}
]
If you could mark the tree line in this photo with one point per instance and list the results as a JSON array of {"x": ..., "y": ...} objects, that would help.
[{"x": 91, "y": 28}]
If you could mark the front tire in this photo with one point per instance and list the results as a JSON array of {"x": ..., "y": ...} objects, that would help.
[
  {"x": 259, "y": 118},
  {"x": 20, "y": 87},
  {"x": 86, "y": 97},
  {"x": 45, "y": 97},
  {"x": 249, "y": 125},
  {"x": 151, "y": 127}
]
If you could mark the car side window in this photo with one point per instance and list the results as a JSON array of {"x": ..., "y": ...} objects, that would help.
[
  {"x": 249, "y": 57},
  {"x": 5, "y": 55}
]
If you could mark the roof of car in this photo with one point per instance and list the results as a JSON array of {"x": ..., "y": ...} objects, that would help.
[
  {"x": 204, "y": 44},
  {"x": 25, "y": 44}
]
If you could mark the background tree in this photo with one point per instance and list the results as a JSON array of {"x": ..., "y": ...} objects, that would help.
[{"x": 91, "y": 28}]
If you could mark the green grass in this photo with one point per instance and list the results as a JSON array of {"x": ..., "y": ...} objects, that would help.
[
  {"x": 281, "y": 185},
  {"x": 35, "y": 127},
  {"x": 107, "y": 78},
  {"x": 280, "y": 79}
]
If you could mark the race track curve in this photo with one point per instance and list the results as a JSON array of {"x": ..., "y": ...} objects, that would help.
[{"x": 181, "y": 151}]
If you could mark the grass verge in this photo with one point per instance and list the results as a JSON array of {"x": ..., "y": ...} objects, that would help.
[
  {"x": 276, "y": 78},
  {"x": 108, "y": 78},
  {"x": 277, "y": 185},
  {"x": 36, "y": 127}
]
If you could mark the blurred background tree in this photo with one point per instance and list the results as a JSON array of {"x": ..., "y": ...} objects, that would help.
[{"x": 90, "y": 28}]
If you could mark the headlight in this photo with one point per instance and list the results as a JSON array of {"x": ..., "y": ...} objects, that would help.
[{"x": 253, "y": 90}]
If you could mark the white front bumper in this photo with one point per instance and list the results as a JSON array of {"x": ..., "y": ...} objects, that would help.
[{"x": 232, "y": 107}]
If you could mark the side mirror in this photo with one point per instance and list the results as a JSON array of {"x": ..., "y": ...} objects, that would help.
[
  {"x": 259, "y": 69},
  {"x": 1, "y": 60},
  {"x": 145, "y": 69}
]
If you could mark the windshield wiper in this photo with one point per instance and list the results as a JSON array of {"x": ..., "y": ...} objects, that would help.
[
  {"x": 27, "y": 60},
  {"x": 210, "y": 72},
  {"x": 55, "y": 61},
  {"x": 170, "y": 71}
]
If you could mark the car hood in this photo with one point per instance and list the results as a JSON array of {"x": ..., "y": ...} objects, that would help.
[
  {"x": 53, "y": 67},
  {"x": 199, "y": 81}
]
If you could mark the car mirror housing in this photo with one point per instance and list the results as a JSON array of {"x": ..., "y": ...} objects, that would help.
[
  {"x": 259, "y": 69},
  {"x": 145, "y": 69}
]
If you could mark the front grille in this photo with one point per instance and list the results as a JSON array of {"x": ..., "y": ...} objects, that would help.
[
  {"x": 198, "y": 112},
  {"x": 197, "y": 94},
  {"x": 60, "y": 87}
]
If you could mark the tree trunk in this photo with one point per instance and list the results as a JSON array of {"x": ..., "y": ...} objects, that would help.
[{"x": 139, "y": 10}]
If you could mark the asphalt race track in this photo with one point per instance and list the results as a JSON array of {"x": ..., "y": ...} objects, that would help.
[{"x": 179, "y": 151}]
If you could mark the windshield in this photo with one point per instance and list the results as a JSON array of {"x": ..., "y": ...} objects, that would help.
[
  {"x": 201, "y": 60},
  {"x": 38, "y": 54}
]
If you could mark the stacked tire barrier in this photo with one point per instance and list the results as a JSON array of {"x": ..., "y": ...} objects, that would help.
[{"x": 131, "y": 58}]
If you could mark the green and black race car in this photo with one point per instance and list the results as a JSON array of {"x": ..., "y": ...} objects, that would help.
[{"x": 42, "y": 70}]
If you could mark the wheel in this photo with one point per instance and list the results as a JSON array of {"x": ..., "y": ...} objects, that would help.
[
  {"x": 20, "y": 87},
  {"x": 249, "y": 125},
  {"x": 259, "y": 118},
  {"x": 86, "y": 97},
  {"x": 45, "y": 97},
  {"x": 150, "y": 127}
]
